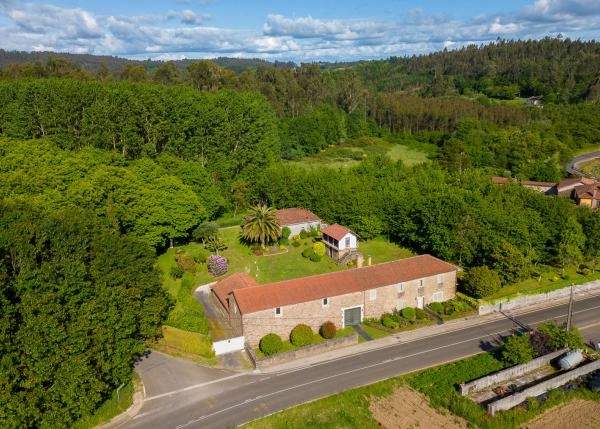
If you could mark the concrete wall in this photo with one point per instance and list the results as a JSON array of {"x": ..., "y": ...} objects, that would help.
[
  {"x": 229, "y": 345},
  {"x": 526, "y": 300},
  {"x": 507, "y": 374},
  {"x": 313, "y": 313},
  {"x": 514, "y": 400},
  {"x": 312, "y": 350}
]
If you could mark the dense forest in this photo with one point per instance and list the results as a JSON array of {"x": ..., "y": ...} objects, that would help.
[{"x": 103, "y": 167}]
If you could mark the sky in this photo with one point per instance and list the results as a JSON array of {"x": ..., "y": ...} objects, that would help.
[{"x": 299, "y": 31}]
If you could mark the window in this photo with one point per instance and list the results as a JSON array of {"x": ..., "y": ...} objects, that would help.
[
  {"x": 278, "y": 312},
  {"x": 372, "y": 294},
  {"x": 400, "y": 287},
  {"x": 421, "y": 283},
  {"x": 438, "y": 297},
  {"x": 347, "y": 242},
  {"x": 325, "y": 302}
]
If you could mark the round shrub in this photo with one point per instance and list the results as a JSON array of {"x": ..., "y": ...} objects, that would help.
[
  {"x": 270, "y": 344},
  {"x": 296, "y": 237},
  {"x": 303, "y": 234},
  {"x": 308, "y": 252},
  {"x": 408, "y": 313},
  {"x": 437, "y": 307},
  {"x": 177, "y": 272},
  {"x": 217, "y": 265},
  {"x": 301, "y": 335},
  {"x": 285, "y": 232},
  {"x": 388, "y": 321},
  {"x": 328, "y": 330},
  {"x": 296, "y": 243},
  {"x": 319, "y": 248},
  {"x": 315, "y": 258},
  {"x": 284, "y": 241},
  {"x": 420, "y": 313}
]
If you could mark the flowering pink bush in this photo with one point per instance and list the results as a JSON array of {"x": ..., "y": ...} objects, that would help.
[{"x": 217, "y": 265}]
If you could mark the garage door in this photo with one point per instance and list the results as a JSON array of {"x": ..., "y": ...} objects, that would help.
[{"x": 352, "y": 316}]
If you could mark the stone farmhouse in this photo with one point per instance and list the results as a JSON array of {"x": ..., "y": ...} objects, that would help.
[
  {"x": 343, "y": 297},
  {"x": 297, "y": 219}
]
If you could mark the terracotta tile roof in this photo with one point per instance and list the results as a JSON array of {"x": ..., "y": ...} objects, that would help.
[
  {"x": 588, "y": 192},
  {"x": 292, "y": 216},
  {"x": 500, "y": 180},
  {"x": 288, "y": 292},
  {"x": 568, "y": 183},
  {"x": 538, "y": 184},
  {"x": 235, "y": 281},
  {"x": 336, "y": 231}
]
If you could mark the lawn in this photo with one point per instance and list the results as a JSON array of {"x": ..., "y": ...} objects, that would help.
[
  {"x": 549, "y": 279},
  {"x": 409, "y": 151}
]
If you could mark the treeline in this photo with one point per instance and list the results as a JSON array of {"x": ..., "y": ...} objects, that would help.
[
  {"x": 154, "y": 200},
  {"x": 77, "y": 303},
  {"x": 461, "y": 217},
  {"x": 229, "y": 132},
  {"x": 560, "y": 70}
]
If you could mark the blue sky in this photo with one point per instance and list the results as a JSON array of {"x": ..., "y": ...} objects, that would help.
[{"x": 301, "y": 31}]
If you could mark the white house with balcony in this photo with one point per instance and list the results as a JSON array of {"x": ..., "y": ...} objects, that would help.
[{"x": 339, "y": 241}]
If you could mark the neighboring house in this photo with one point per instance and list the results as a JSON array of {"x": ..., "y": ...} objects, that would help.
[
  {"x": 587, "y": 195},
  {"x": 339, "y": 241},
  {"x": 343, "y": 297},
  {"x": 297, "y": 219},
  {"x": 543, "y": 187}
]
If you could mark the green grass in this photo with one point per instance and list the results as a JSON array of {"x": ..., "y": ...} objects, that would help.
[
  {"x": 114, "y": 406},
  {"x": 549, "y": 280},
  {"x": 350, "y": 409},
  {"x": 188, "y": 345},
  {"x": 348, "y": 154},
  {"x": 374, "y": 332}
]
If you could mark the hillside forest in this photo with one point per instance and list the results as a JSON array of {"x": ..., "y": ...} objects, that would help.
[{"x": 105, "y": 167}]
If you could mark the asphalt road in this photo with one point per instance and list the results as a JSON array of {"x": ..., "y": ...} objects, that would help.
[
  {"x": 240, "y": 397},
  {"x": 571, "y": 165}
]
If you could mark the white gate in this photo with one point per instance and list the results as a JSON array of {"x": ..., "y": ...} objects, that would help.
[{"x": 229, "y": 345}]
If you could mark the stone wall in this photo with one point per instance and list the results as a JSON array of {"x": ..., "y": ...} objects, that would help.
[
  {"x": 526, "y": 300},
  {"x": 514, "y": 400},
  {"x": 312, "y": 350},
  {"x": 509, "y": 373}
]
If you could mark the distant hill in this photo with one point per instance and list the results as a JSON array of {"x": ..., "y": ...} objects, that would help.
[{"x": 92, "y": 63}]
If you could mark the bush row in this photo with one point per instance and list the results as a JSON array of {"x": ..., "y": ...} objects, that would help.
[{"x": 302, "y": 335}]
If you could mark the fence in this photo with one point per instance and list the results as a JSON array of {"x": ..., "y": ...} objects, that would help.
[
  {"x": 526, "y": 300},
  {"x": 514, "y": 400},
  {"x": 507, "y": 374}
]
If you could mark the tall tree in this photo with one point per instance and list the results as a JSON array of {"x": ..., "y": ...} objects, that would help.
[{"x": 260, "y": 224}]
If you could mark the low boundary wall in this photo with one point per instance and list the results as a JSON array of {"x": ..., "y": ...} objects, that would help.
[
  {"x": 507, "y": 374},
  {"x": 314, "y": 349},
  {"x": 229, "y": 345},
  {"x": 514, "y": 400},
  {"x": 526, "y": 300}
]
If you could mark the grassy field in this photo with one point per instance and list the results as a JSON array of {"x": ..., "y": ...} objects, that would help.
[
  {"x": 350, "y": 409},
  {"x": 550, "y": 279},
  {"x": 184, "y": 344},
  {"x": 409, "y": 151}
]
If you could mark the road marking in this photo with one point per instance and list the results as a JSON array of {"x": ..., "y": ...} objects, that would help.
[{"x": 195, "y": 386}]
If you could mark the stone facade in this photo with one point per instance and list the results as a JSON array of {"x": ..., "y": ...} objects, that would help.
[{"x": 373, "y": 303}]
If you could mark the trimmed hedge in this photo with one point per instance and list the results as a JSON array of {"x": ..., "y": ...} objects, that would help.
[
  {"x": 408, "y": 313},
  {"x": 301, "y": 335},
  {"x": 315, "y": 258},
  {"x": 308, "y": 252},
  {"x": 328, "y": 330},
  {"x": 270, "y": 344}
]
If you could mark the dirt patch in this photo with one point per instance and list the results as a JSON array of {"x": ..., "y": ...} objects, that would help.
[
  {"x": 578, "y": 413},
  {"x": 406, "y": 409}
]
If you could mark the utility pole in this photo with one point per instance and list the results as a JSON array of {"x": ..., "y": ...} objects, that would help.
[{"x": 570, "y": 314}]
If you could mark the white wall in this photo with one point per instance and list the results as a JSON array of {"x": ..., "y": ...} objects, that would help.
[
  {"x": 228, "y": 346},
  {"x": 353, "y": 244}
]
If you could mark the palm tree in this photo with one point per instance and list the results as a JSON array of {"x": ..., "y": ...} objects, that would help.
[{"x": 260, "y": 224}]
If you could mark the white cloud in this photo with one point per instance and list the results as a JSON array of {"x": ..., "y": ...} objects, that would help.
[{"x": 28, "y": 26}]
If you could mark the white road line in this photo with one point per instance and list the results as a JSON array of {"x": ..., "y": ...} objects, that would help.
[{"x": 195, "y": 386}]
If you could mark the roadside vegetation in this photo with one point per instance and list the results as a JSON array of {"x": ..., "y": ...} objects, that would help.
[{"x": 439, "y": 386}]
